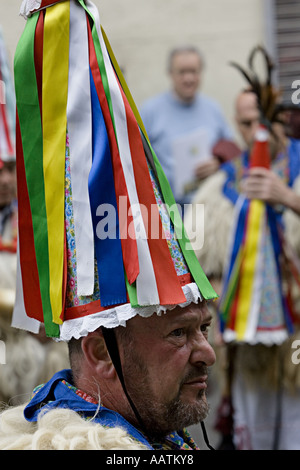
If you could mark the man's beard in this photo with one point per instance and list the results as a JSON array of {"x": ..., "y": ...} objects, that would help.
[
  {"x": 176, "y": 414},
  {"x": 159, "y": 419}
]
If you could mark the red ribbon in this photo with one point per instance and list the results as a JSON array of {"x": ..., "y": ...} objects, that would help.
[
  {"x": 169, "y": 288},
  {"x": 30, "y": 275}
]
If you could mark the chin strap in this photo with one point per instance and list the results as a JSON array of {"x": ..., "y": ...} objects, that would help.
[
  {"x": 205, "y": 436},
  {"x": 112, "y": 347}
]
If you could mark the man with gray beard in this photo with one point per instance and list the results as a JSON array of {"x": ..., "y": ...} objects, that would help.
[{"x": 165, "y": 362}]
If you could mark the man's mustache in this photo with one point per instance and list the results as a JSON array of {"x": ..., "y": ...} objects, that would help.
[{"x": 195, "y": 373}]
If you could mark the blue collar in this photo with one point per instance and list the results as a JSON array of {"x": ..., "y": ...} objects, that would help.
[{"x": 55, "y": 394}]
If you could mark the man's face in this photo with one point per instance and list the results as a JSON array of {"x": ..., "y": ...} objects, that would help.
[
  {"x": 186, "y": 74},
  {"x": 247, "y": 117},
  {"x": 7, "y": 183},
  {"x": 166, "y": 367}
]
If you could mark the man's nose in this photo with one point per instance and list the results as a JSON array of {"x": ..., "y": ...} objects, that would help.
[{"x": 202, "y": 351}]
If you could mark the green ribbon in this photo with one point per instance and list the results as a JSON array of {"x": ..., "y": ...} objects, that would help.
[{"x": 32, "y": 141}]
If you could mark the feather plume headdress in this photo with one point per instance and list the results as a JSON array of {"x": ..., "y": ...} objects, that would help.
[
  {"x": 269, "y": 97},
  {"x": 90, "y": 186}
]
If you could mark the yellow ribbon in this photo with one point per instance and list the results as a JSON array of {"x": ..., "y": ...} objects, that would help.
[
  {"x": 249, "y": 264},
  {"x": 55, "y": 91}
]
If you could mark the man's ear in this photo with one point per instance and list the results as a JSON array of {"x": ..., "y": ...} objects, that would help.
[{"x": 96, "y": 354}]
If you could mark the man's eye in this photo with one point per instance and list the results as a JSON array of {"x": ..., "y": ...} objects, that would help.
[
  {"x": 178, "y": 332},
  {"x": 205, "y": 327}
]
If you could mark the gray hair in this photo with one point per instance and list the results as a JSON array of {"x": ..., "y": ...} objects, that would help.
[{"x": 184, "y": 49}]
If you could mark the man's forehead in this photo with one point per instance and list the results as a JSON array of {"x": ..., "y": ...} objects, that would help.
[
  {"x": 246, "y": 100},
  {"x": 193, "y": 311},
  {"x": 183, "y": 58}
]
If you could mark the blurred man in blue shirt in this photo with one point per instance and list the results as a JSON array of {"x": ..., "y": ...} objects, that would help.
[{"x": 184, "y": 125}]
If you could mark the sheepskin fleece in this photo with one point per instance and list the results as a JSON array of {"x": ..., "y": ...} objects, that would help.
[
  {"x": 60, "y": 429},
  {"x": 28, "y": 363}
]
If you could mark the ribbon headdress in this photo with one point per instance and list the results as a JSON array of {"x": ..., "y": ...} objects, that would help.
[
  {"x": 255, "y": 306},
  {"x": 90, "y": 188}
]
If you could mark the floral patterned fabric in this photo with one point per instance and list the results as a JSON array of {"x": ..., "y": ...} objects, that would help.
[{"x": 72, "y": 299}]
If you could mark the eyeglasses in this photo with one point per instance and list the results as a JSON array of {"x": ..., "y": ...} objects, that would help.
[
  {"x": 182, "y": 72},
  {"x": 248, "y": 123}
]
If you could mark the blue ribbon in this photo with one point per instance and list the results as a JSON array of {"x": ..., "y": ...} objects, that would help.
[
  {"x": 294, "y": 160},
  {"x": 103, "y": 197}
]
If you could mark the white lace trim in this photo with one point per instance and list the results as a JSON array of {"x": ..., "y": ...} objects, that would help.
[
  {"x": 262, "y": 337},
  {"x": 28, "y": 6},
  {"x": 118, "y": 316}
]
